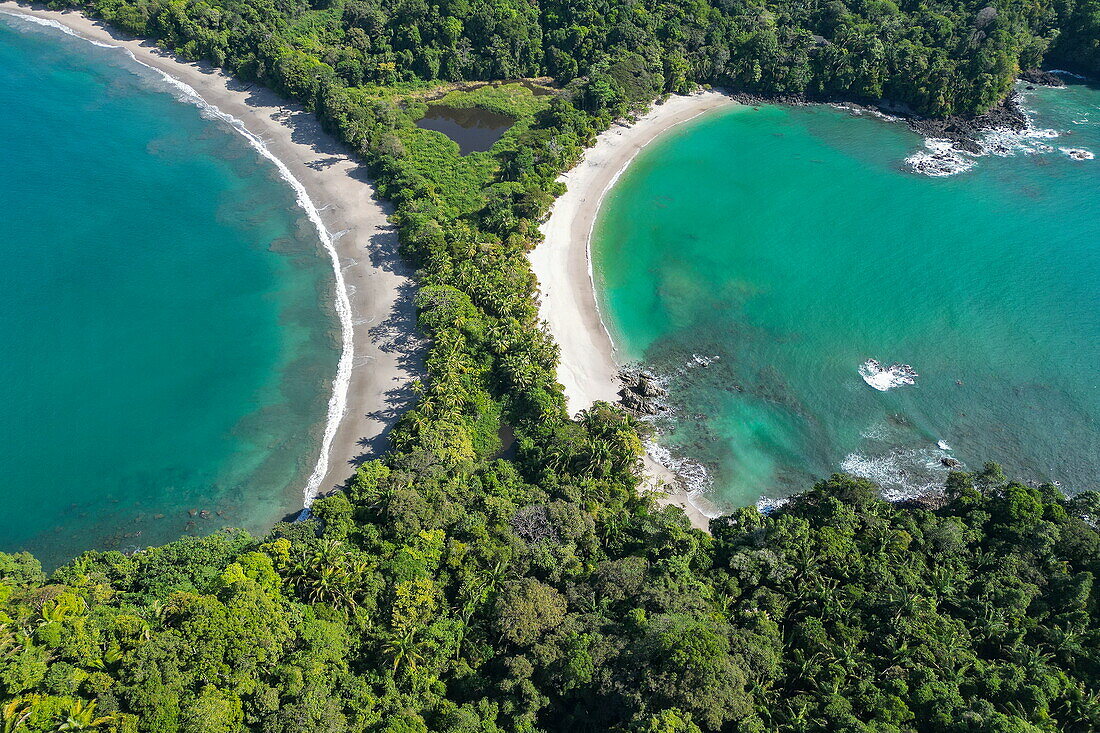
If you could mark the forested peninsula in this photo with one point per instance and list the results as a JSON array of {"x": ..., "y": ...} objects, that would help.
[{"x": 497, "y": 569}]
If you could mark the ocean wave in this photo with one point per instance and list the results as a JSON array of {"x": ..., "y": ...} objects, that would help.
[
  {"x": 1063, "y": 72},
  {"x": 884, "y": 378},
  {"x": 858, "y": 111},
  {"x": 902, "y": 473},
  {"x": 338, "y": 401},
  {"x": 1078, "y": 153},
  {"x": 939, "y": 159},
  {"x": 767, "y": 505},
  {"x": 50, "y": 23},
  {"x": 942, "y": 158},
  {"x": 693, "y": 475},
  {"x": 1004, "y": 142}
]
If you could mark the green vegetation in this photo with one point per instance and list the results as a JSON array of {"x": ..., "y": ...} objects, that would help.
[
  {"x": 480, "y": 602},
  {"x": 449, "y": 589}
]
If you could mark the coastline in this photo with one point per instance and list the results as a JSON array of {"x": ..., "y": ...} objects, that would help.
[
  {"x": 379, "y": 348},
  {"x": 588, "y": 367}
]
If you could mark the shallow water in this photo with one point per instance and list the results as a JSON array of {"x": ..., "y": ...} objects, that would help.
[
  {"x": 475, "y": 130},
  {"x": 167, "y": 347},
  {"x": 788, "y": 246}
]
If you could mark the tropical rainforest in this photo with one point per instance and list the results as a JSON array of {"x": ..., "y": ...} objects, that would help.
[{"x": 498, "y": 569}]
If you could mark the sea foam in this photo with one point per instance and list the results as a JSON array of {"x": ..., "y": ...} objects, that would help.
[
  {"x": 1078, "y": 153},
  {"x": 884, "y": 378},
  {"x": 901, "y": 473},
  {"x": 338, "y": 401},
  {"x": 939, "y": 159}
]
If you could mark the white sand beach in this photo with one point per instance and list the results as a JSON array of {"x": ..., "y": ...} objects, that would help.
[
  {"x": 373, "y": 296},
  {"x": 589, "y": 367}
]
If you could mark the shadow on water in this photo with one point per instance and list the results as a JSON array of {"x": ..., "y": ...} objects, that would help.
[{"x": 475, "y": 130}]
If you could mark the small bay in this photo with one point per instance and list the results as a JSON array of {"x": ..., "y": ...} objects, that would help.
[
  {"x": 168, "y": 347},
  {"x": 758, "y": 257}
]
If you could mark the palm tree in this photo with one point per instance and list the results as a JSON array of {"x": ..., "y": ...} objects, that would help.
[
  {"x": 403, "y": 649},
  {"x": 16, "y": 711},
  {"x": 81, "y": 716}
]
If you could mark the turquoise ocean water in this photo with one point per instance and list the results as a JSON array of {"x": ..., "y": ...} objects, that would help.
[
  {"x": 166, "y": 347},
  {"x": 785, "y": 247}
]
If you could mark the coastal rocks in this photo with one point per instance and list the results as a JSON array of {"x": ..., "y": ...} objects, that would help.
[
  {"x": 940, "y": 158},
  {"x": 1078, "y": 153},
  {"x": 1041, "y": 78},
  {"x": 950, "y": 462},
  {"x": 963, "y": 130},
  {"x": 641, "y": 392}
]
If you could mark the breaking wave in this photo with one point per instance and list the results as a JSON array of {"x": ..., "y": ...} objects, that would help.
[
  {"x": 942, "y": 158},
  {"x": 884, "y": 378},
  {"x": 1078, "y": 153},
  {"x": 902, "y": 473},
  {"x": 49, "y": 23},
  {"x": 939, "y": 159}
]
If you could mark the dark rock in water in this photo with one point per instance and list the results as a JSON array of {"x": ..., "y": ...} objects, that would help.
[
  {"x": 649, "y": 388},
  {"x": 950, "y": 462},
  {"x": 631, "y": 400},
  {"x": 963, "y": 130},
  {"x": 641, "y": 393},
  {"x": 1040, "y": 77}
]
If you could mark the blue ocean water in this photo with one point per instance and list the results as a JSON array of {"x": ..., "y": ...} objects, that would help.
[
  {"x": 167, "y": 350},
  {"x": 785, "y": 247}
]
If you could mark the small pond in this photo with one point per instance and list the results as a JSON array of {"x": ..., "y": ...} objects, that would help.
[{"x": 473, "y": 129}]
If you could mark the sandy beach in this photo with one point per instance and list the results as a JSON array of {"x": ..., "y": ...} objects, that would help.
[
  {"x": 589, "y": 367},
  {"x": 373, "y": 295}
]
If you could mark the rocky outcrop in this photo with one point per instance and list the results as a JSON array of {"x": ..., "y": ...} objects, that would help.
[
  {"x": 641, "y": 392},
  {"x": 1041, "y": 78},
  {"x": 963, "y": 130}
]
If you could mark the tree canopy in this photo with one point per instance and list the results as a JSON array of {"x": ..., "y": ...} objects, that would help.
[{"x": 461, "y": 584}]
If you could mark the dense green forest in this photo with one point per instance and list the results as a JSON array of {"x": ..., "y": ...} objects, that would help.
[
  {"x": 454, "y": 587},
  {"x": 481, "y": 602}
]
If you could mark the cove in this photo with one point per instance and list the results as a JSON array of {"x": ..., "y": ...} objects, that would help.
[
  {"x": 168, "y": 348},
  {"x": 757, "y": 257}
]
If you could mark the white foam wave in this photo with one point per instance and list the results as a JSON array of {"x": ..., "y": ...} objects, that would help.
[
  {"x": 900, "y": 474},
  {"x": 857, "y": 111},
  {"x": 338, "y": 401},
  {"x": 942, "y": 445},
  {"x": 50, "y": 23},
  {"x": 939, "y": 159},
  {"x": 884, "y": 378},
  {"x": 1004, "y": 142},
  {"x": 767, "y": 505},
  {"x": 1063, "y": 72},
  {"x": 1078, "y": 153},
  {"x": 694, "y": 476}
]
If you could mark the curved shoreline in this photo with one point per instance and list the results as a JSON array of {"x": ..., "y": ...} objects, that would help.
[
  {"x": 375, "y": 315},
  {"x": 588, "y": 366}
]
